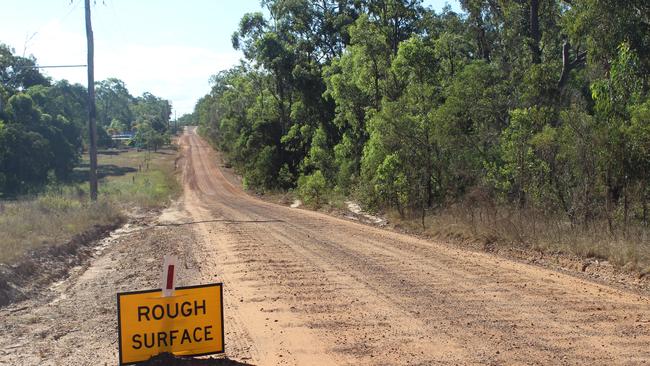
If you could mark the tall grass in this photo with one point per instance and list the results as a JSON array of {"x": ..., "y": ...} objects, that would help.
[
  {"x": 48, "y": 220},
  {"x": 511, "y": 227},
  {"x": 131, "y": 180}
]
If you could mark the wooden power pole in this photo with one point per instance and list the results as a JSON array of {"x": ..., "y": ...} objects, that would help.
[{"x": 92, "y": 127}]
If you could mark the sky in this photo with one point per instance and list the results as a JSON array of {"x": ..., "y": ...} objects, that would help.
[{"x": 169, "y": 48}]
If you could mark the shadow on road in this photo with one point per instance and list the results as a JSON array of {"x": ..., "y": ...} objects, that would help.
[
  {"x": 220, "y": 220},
  {"x": 167, "y": 359}
]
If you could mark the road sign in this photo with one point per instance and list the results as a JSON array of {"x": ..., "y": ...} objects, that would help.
[{"x": 189, "y": 323}]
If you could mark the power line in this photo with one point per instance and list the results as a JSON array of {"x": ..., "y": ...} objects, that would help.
[
  {"x": 46, "y": 67},
  {"x": 74, "y": 5}
]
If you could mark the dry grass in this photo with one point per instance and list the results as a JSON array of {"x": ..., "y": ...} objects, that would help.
[
  {"x": 149, "y": 180},
  {"x": 128, "y": 179},
  {"x": 503, "y": 226},
  {"x": 48, "y": 220}
]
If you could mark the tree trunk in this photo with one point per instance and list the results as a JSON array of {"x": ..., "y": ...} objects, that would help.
[
  {"x": 587, "y": 206},
  {"x": 560, "y": 196},
  {"x": 451, "y": 62},
  {"x": 400, "y": 209},
  {"x": 395, "y": 40},
  {"x": 535, "y": 34},
  {"x": 568, "y": 64},
  {"x": 429, "y": 170},
  {"x": 485, "y": 47},
  {"x": 423, "y": 215},
  {"x": 520, "y": 189},
  {"x": 609, "y": 202},
  {"x": 377, "y": 98},
  {"x": 644, "y": 198},
  {"x": 625, "y": 205}
]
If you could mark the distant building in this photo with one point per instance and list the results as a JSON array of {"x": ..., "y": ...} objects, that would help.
[{"x": 122, "y": 139}]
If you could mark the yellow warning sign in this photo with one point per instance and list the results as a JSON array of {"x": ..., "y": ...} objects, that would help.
[{"x": 189, "y": 323}]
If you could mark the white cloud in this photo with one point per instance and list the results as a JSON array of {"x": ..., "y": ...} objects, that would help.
[
  {"x": 175, "y": 72},
  {"x": 51, "y": 45}
]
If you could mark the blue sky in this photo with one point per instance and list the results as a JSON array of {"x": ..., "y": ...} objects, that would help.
[{"x": 167, "y": 47}]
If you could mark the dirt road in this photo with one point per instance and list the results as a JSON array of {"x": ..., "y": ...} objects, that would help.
[{"x": 303, "y": 288}]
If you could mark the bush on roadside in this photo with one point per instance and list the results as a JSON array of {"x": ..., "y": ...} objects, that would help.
[{"x": 312, "y": 188}]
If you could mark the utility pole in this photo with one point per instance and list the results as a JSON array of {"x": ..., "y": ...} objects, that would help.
[
  {"x": 168, "y": 114},
  {"x": 92, "y": 128}
]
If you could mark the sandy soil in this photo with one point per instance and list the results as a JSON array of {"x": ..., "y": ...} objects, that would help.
[{"x": 303, "y": 288}]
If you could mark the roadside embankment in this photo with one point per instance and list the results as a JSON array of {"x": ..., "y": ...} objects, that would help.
[{"x": 43, "y": 236}]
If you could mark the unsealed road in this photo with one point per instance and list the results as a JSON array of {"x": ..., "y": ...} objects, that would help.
[
  {"x": 303, "y": 288},
  {"x": 306, "y": 287}
]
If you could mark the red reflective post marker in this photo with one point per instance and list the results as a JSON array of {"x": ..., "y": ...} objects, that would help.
[
  {"x": 170, "y": 277},
  {"x": 168, "y": 281}
]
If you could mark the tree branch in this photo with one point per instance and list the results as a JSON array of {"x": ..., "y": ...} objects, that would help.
[{"x": 568, "y": 64}]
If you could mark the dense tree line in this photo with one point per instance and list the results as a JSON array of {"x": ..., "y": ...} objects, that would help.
[
  {"x": 188, "y": 119},
  {"x": 43, "y": 123},
  {"x": 538, "y": 104},
  {"x": 118, "y": 111}
]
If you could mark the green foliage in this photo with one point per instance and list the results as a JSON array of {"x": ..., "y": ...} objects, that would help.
[
  {"x": 148, "y": 138},
  {"x": 391, "y": 184},
  {"x": 312, "y": 188},
  {"x": 261, "y": 172},
  {"x": 116, "y": 127},
  {"x": 45, "y": 124},
  {"x": 320, "y": 155},
  {"x": 346, "y": 162},
  {"x": 17, "y": 73},
  {"x": 151, "y": 111},
  {"x": 542, "y": 105},
  {"x": 114, "y": 103},
  {"x": 638, "y": 133},
  {"x": 188, "y": 119},
  {"x": 522, "y": 170}
]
